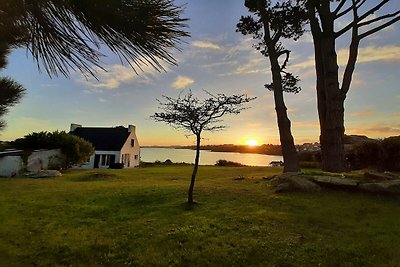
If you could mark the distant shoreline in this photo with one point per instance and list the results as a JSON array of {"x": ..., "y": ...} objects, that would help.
[{"x": 272, "y": 150}]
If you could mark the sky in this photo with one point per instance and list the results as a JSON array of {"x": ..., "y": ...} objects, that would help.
[{"x": 218, "y": 59}]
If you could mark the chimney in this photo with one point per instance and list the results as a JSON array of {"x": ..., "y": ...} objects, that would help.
[
  {"x": 74, "y": 126},
  {"x": 131, "y": 128}
]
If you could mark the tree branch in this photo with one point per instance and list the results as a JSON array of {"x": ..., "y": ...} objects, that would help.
[
  {"x": 360, "y": 18},
  {"x": 361, "y": 24},
  {"x": 341, "y": 4},
  {"x": 350, "y": 8},
  {"x": 353, "y": 54},
  {"x": 387, "y": 24}
]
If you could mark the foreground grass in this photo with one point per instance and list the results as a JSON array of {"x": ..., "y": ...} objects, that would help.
[{"x": 137, "y": 217}]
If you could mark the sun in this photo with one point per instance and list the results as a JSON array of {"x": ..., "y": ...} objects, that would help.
[{"x": 251, "y": 142}]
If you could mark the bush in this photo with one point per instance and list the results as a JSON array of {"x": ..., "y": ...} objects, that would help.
[
  {"x": 390, "y": 154},
  {"x": 314, "y": 156},
  {"x": 309, "y": 165},
  {"x": 365, "y": 155},
  {"x": 116, "y": 165},
  {"x": 227, "y": 163},
  {"x": 75, "y": 149}
]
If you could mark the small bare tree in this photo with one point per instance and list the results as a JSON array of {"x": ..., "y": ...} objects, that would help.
[{"x": 195, "y": 116}]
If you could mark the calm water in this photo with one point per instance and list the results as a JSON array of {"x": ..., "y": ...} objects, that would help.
[{"x": 148, "y": 154}]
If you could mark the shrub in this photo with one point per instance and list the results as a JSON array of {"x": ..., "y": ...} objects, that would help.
[
  {"x": 75, "y": 149},
  {"x": 309, "y": 164},
  {"x": 116, "y": 165},
  {"x": 227, "y": 163},
  {"x": 390, "y": 154},
  {"x": 168, "y": 162},
  {"x": 364, "y": 155}
]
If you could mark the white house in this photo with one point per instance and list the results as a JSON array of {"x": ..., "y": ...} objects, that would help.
[
  {"x": 11, "y": 163},
  {"x": 112, "y": 145}
]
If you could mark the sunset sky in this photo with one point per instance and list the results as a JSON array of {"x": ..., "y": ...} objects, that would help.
[{"x": 219, "y": 60}]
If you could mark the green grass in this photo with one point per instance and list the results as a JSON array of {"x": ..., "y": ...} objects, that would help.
[{"x": 137, "y": 218}]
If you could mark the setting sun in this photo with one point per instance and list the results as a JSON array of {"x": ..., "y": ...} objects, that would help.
[{"x": 251, "y": 142}]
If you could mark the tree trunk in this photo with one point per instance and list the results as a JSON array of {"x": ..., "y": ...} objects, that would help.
[
  {"x": 289, "y": 152},
  {"x": 195, "y": 168},
  {"x": 332, "y": 131},
  {"x": 329, "y": 96}
]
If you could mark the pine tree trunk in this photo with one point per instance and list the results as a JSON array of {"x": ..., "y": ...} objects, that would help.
[
  {"x": 332, "y": 110},
  {"x": 289, "y": 152},
  {"x": 330, "y": 99},
  {"x": 195, "y": 168}
]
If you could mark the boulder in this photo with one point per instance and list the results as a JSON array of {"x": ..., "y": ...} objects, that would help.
[
  {"x": 270, "y": 177},
  {"x": 335, "y": 181},
  {"x": 390, "y": 187},
  {"x": 44, "y": 174},
  {"x": 378, "y": 177},
  {"x": 293, "y": 182}
]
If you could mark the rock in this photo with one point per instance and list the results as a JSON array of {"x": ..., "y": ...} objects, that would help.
[
  {"x": 292, "y": 181},
  {"x": 283, "y": 188},
  {"x": 44, "y": 174},
  {"x": 270, "y": 177},
  {"x": 373, "y": 176},
  {"x": 391, "y": 187},
  {"x": 393, "y": 175},
  {"x": 335, "y": 181}
]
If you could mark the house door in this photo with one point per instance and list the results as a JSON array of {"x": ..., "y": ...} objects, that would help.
[
  {"x": 112, "y": 159},
  {"x": 96, "y": 161}
]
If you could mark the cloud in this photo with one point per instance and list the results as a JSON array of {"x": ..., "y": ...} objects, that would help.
[
  {"x": 117, "y": 75},
  {"x": 205, "y": 45},
  {"x": 366, "y": 54},
  {"x": 102, "y": 100},
  {"x": 254, "y": 64},
  {"x": 372, "y": 53},
  {"x": 182, "y": 82},
  {"x": 363, "y": 113},
  {"x": 374, "y": 130},
  {"x": 306, "y": 124}
]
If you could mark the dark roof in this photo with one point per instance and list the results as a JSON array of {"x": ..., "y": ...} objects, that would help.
[{"x": 108, "y": 139}]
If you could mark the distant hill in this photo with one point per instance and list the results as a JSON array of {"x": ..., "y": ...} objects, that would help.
[{"x": 357, "y": 139}]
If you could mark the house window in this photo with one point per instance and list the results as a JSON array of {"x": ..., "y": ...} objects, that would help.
[
  {"x": 132, "y": 142},
  {"x": 106, "y": 160},
  {"x": 126, "y": 160},
  {"x": 136, "y": 157}
]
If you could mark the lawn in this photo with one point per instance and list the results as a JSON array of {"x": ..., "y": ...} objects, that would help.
[{"x": 137, "y": 218}]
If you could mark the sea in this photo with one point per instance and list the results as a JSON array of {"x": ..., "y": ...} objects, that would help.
[{"x": 151, "y": 154}]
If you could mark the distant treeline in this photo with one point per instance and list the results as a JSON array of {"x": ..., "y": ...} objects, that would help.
[{"x": 267, "y": 149}]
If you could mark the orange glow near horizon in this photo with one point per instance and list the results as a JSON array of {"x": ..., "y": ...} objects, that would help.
[{"x": 251, "y": 142}]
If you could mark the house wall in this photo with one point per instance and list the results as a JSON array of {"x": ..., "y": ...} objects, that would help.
[
  {"x": 45, "y": 159},
  {"x": 11, "y": 166},
  {"x": 90, "y": 163},
  {"x": 132, "y": 151}
]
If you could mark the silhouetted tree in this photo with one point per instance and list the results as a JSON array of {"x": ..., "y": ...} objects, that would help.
[
  {"x": 10, "y": 91},
  {"x": 284, "y": 19},
  {"x": 323, "y": 15},
  {"x": 195, "y": 116},
  {"x": 67, "y": 35}
]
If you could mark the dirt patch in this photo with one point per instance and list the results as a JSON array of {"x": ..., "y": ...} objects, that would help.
[{"x": 95, "y": 176}]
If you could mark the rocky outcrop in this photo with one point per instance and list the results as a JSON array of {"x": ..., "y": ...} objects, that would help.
[
  {"x": 294, "y": 182},
  {"x": 378, "y": 177},
  {"x": 335, "y": 181},
  {"x": 391, "y": 187},
  {"x": 381, "y": 183}
]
